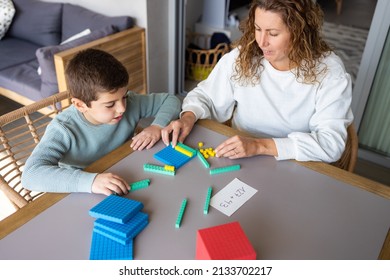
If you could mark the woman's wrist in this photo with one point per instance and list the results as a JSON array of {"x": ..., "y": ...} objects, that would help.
[
  {"x": 188, "y": 116},
  {"x": 266, "y": 146}
]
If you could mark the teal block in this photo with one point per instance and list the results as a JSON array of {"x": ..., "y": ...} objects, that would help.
[
  {"x": 224, "y": 169},
  {"x": 203, "y": 160},
  {"x": 207, "y": 201},
  {"x": 188, "y": 148},
  {"x": 158, "y": 169},
  {"x": 181, "y": 213},
  {"x": 139, "y": 185}
]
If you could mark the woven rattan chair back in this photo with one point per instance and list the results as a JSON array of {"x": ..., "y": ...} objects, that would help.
[
  {"x": 20, "y": 132},
  {"x": 349, "y": 157}
]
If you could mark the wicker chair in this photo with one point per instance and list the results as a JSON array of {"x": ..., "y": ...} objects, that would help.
[
  {"x": 20, "y": 131},
  {"x": 349, "y": 157}
]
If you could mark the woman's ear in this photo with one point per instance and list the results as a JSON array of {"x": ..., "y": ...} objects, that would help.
[{"x": 79, "y": 104}]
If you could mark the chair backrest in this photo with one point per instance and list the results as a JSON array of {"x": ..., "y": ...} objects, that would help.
[
  {"x": 20, "y": 132},
  {"x": 349, "y": 157}
]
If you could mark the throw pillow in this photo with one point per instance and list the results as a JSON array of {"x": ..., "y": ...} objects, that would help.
[
  {"x": 37, "y": 22},
  {"x": 76, "y": 18},
  {"x": 45, "y": 56},
  {"x": 74, "y": 37},
  {"x": 7, "y": 12}
]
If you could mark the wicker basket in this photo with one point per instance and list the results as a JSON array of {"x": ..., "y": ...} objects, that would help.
[{"x": 200, "y": 62}]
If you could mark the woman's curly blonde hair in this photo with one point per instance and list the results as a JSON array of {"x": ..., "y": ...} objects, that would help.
[{"x": 304, "y": 19}]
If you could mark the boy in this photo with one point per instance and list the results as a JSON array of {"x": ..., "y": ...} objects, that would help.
[{"x": 103, "y": 115}]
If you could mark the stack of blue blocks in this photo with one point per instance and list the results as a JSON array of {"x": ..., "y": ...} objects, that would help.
[{"x": 118, "y": 221}]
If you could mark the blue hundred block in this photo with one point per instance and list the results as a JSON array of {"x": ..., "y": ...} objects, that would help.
[
  {"x": 120, "y": 239},
  {"x": 170, "y": 156},
  {"x": 116, "y": 209},
  {"x": 103, "y": 248},
  {"x": 122, "y": 233}
]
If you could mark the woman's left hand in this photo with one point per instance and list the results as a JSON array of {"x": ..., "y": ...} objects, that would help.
[
  {"x": 241, "y": 146},
  {"x": 146, "y": 138}
]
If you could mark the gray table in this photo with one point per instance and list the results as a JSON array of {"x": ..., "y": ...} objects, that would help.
[{"x": 297, "y": 213}]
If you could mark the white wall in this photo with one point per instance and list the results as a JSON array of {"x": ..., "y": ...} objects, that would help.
[
  {"x": 194, "y": 9},
  {"x": 158, "y": 45},
  {"x": 154, "y": 16}
]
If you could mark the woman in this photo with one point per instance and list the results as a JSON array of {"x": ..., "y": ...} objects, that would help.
[{"x": 282, "y": 84}]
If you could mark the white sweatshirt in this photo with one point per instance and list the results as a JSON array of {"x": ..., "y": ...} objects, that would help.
[{"x": 307, "y": 121}]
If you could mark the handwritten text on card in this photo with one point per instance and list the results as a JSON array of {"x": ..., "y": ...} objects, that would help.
[{"x": 232, "y": 197}]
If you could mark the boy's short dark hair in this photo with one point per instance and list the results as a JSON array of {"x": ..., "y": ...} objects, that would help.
[{"x": 92, "y": 71}]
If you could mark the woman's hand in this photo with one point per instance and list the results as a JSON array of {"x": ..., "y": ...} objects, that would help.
[
  {"x": 179, "y": 128},
  {"x": 240, "y": 147},
  {"x": 146, "y": 138}
]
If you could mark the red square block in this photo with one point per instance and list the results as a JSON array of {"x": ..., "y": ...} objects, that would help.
[{"x": 224, "y": 242}]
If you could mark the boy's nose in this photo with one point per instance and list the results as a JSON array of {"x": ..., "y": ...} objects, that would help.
[{"x": 121, "y": 108}]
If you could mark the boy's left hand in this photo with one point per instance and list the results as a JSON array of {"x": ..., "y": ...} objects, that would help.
[{"x": 146, "y": 138}]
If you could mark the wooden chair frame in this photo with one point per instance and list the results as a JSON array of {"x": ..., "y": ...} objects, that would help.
[
  {"x": 349, "y": 157},
  {"x": 20, "y": 132}
]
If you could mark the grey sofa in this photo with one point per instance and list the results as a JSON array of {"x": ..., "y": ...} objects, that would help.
[{"x": 27, "y": 69}]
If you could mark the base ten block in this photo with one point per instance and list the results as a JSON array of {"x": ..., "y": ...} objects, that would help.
[{"x": 224, "y": 242}]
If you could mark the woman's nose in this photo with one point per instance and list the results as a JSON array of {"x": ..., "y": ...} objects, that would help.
[{"x": 263, "y": 40}]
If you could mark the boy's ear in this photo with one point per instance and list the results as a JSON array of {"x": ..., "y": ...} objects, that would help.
[{"x": 79, "y": 104}]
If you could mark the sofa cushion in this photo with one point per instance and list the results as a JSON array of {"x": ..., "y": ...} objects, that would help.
[
  {"x": 10, "y": 46},
  {"x": 37, "y": 22},
  {"x": 7, "y": 12},
  {"x": 76, "y": 18},
  {"x": 23, "y": 79},
  {"x": 74, "y": 37},
  {"x": 45, "y": 57}
]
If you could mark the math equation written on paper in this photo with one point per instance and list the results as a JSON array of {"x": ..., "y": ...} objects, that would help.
[{"x": 232, "y": 197}]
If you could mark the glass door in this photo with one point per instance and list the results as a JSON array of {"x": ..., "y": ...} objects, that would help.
[{"x": 371, "y": 99}]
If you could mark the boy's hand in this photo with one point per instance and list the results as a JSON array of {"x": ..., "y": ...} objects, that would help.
[
  {"x": 146, "y": 138},
  {"x": 108, "y": 183},
  {"x": 179, "y": 128}
]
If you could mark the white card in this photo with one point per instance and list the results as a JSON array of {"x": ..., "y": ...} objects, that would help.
[{"x": 232, "y": 197}]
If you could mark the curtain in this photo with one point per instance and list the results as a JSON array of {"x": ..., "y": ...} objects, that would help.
[{"x": 374, "y": 132}]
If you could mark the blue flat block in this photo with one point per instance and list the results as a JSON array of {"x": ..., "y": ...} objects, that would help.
[
  {"x": 116, "y": 209},
  {"x": 103, "y": 248},
  {"x": 127, "y": 230},
  {"x": 119, "y": 239},
  {"x": 170, "y": 156}
]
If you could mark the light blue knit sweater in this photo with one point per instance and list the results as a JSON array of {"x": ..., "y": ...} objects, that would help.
[{"x": 71, "y": 143}]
